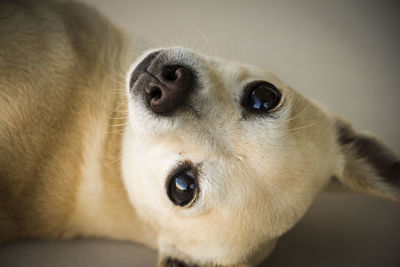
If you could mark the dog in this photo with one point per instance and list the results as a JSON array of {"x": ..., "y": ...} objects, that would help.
[{"x": 205, "y": 160}]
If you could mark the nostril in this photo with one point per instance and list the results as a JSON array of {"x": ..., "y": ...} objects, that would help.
[
  {"x": 154, "y": 92},
  {"x": 169, "y": 72},
  {"x": 168, "y": 88}
]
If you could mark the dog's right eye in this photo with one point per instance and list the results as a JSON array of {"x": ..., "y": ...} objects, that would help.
[
  {"x": 260, "y": 97},
  {"x": 182, "y": 188}
]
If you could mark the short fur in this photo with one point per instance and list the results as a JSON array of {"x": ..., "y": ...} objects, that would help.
[{"x": 79, "y": 152}]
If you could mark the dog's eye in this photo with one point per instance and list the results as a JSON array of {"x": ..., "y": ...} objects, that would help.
[
  {"x": 261, "y": 96},
  {"x": 182, "y": 189}
]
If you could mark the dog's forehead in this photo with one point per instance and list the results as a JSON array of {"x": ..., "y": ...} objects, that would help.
[
  {"x": 235, "y": 73},
  {"x": 227, "y": 72}
]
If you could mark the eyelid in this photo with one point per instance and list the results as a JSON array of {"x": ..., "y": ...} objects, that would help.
[{"x": 183, "y": 166}]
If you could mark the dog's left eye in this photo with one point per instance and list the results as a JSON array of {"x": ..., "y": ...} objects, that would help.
[{"x": 261, "y": 96}]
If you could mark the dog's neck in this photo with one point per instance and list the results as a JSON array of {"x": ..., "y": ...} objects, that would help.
[{"x": 102, "y": 205}]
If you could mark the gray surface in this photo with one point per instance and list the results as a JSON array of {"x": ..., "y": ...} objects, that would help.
[
  {"x": 343, "y": 54},
  {"x": 79, "y": 253},
  {"x": 343, "y": 230},
  {"x": 338, "y": 230}
]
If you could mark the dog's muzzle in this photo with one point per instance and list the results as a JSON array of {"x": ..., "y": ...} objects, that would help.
[{"x": 165, "y": 85}]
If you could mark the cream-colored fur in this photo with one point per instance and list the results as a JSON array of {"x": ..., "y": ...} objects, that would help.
[{"x": 81, "y": 156}]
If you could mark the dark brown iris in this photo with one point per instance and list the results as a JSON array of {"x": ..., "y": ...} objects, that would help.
[
  {"x": 264, "y": 97},
  {"x": 261, "y": 96}
]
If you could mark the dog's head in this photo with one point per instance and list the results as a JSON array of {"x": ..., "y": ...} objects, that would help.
[{"x": 221, "y": 158}]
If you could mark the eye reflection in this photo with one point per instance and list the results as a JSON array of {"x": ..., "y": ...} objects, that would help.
[
  {"x": 264, "y": 98},
  {"x": 256, "y": 101},
  {"x": 181, "y": 183}
]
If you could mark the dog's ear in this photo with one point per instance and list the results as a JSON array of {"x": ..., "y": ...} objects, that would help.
[{"x": 367, "y": 165}]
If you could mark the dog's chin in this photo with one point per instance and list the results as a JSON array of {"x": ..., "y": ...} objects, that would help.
[
  {"x": 174, "y": 262},
  {"x": 249, "y": 256}
]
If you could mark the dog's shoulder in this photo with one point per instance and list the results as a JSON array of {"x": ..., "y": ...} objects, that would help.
[{"x": 34, "y": 33}]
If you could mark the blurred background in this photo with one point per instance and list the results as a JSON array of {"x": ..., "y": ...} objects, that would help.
[{"x": 342, "y": 54}]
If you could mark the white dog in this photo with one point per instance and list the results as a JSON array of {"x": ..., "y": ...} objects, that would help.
[{"x": 208, "y": 161}]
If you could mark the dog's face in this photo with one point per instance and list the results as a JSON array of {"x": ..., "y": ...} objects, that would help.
[{"x": 220, "y": 158}]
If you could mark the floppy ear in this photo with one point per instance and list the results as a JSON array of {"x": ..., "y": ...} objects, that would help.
[{"x": 368, "y": 166}]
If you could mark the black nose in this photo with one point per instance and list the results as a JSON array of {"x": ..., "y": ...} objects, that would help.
[
  {"x": 163, "y": 83},
  {"x": 169, "y": 88}
]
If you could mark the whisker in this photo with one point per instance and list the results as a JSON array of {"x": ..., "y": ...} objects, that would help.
[
  {"x": 118, "y": 118},
  {"x": 297, "y": 116},
  {"x": 211, "y": 49},
  {"x": 105, "y": 164},
  {"x": 121, "y": 124},
  {"x": 304, "y": 127}
]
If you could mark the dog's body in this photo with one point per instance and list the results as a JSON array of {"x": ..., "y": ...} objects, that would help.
[
  {"x": 61, "y": 121},
  {"x": 80, "y": 155}
]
